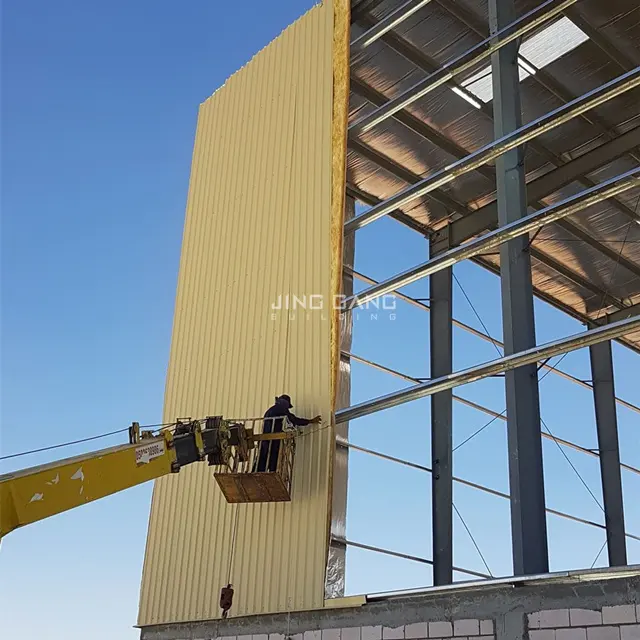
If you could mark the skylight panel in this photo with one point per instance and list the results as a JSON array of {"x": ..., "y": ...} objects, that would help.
[
  {"x": 552, "y": 43},
  {"x": 537, "y": 52}
]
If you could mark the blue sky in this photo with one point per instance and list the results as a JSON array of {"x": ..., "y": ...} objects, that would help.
[{"x": 99, "y": 105}]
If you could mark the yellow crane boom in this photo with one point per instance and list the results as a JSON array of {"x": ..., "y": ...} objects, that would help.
[{"x": 32, "y": 494}]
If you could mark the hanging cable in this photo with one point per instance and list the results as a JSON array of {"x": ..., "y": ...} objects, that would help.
[
  {"x": 72, "y": 442},
  {"x": 475, "y": 544},
  {"x": 234, "y": 533},
  {"x": 566, "y": 457}
]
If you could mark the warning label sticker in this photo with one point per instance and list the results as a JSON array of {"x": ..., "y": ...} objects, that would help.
[{"x": 148, "y": 452}]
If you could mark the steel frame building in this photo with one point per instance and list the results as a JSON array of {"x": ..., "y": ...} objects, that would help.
[{"x": 545, "y": 170}]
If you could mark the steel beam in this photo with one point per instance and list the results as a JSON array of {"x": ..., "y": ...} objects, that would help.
[
  {"x": 441, "y": 238},
  {"x": 541, "y": 77},
  {"x": 467, "y": 61},
  {"x": 478, "y": 372},
  {"x": 490, "y": 152},
  {"x": 486, "y": 217},
  {"x": 389, "y": 22},
  {"x": 416, "y": 125},
  {"x": 362, "y": 8},
  {"x": 599, "y": 39},
  {"x": 627, "y": 312},
  {"x": 607, "y": 426},
  {"x": 612, "y": 317},
  {"x": 417, "y": 57},
  {"x": 494, "y": 239},
  {"x": 441, "y": 358},
  {"x": 490, "y": 412},
  {"x": 398, "y": 215},
  {"x": 406, "y": 175},
  {"x": 421, "y": 61},
  {"x": 526, "y": 477}
]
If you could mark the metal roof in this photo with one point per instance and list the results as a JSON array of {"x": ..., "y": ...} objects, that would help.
[{"x": 587, "y": 264}]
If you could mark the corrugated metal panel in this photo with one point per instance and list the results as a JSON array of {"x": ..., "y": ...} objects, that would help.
[{"x": 258, "y": 225}]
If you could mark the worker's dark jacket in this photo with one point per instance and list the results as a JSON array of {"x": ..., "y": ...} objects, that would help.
[{"x": 270, "y": 448}]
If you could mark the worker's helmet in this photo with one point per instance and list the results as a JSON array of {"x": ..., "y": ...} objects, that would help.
[{"x": 285, "y": 399}]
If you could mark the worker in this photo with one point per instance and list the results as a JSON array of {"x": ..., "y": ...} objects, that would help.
[{"x": 273, "y": 423}]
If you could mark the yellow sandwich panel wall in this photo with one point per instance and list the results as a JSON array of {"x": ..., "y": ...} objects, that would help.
[{"x": 262, "y": 218}]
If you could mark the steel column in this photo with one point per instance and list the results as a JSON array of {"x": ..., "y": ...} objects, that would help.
[
  {"x": 607, "y": 426},
  {"x": 441, "y": 357},
  {"x": 526, "y": 477}
]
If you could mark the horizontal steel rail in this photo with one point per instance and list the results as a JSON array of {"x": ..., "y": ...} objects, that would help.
[
  {"x": 489, "y": 152},
  {"x": 494, "y": 239},
  {"x": 618, "y": 315},
  {"x": 529, "y": 356},
  {"x": 474, "y": 405},
  {"x": 389, "y": 22},
  {"x": 404, "y": 556},
  {"x": 462, "y": 63},
  {"x": 474, "y": 485}
]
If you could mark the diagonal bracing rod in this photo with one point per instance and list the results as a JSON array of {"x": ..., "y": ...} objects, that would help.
[
  {"x": 489, "y": 152},
  {"x": 529, "y": 356},
  {"x": 532, "y": 222}
]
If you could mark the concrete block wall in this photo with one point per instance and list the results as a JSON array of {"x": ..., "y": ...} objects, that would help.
[
  {"x": 618, "y": 622},
  {"x": 594, "y": 605},
  {"x": 457, "y": 629}
]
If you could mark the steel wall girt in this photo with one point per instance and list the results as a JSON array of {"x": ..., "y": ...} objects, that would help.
[
  {"x": 626, "y": 312},
  {"x": 478, "y": 407},
  {"x": 489, "y": 152},
  {"x": 501, "y": 365},
  {"x": 405, "y": 556},
  {"x": 541, "y": 77},
  {"x": 475, "y": 485},
  {"x": 416, "y": 226},
  {"x": 464, "y": 62},
  {"x": 493, "y": 239},
  {"x": 389, "y": 22},
  {"x": 398, "y": 215},
  {"x": 416, "y": 125},
  {"x": 418, "y": 58},
  {"x": 442, "y": 241},
  {"x": 405, "y": 175},
  {"x": 486, "y": 217}
]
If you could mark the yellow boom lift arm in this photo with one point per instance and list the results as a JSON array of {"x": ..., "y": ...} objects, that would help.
[{"x": 33, "y": 494}]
